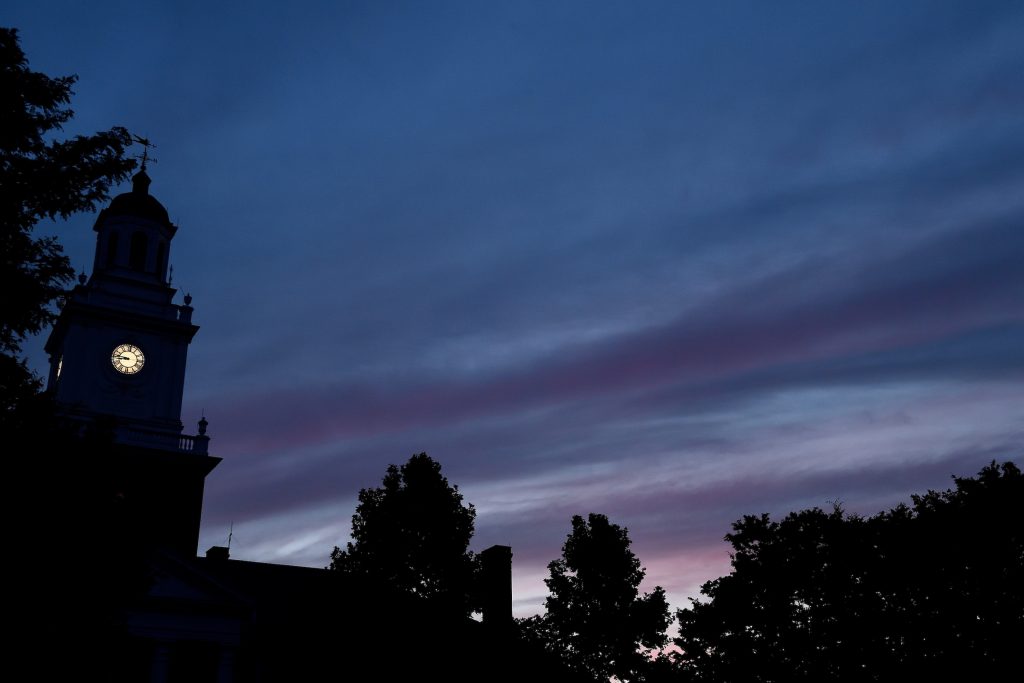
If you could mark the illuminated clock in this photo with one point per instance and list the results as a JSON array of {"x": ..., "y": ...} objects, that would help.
[{"x": 128, "y": 359}]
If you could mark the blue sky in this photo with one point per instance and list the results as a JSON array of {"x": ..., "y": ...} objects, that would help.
[{"x": 671, "y": 262}]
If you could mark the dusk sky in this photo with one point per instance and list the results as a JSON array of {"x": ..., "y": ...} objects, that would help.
[{"x": 671, "y": 262}]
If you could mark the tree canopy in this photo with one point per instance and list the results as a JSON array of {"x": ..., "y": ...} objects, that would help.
[
  {"x": 411, "y": 536},
  {"x": 41, "y": 178},
  {"x": 596, "y": 618},
  {"x": 930, "y": 589}
]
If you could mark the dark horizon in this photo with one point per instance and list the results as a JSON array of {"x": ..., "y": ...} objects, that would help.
[{"x": 669, "y": 264}]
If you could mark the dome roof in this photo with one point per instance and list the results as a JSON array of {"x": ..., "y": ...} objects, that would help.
[{"x": 139, "y": 202}]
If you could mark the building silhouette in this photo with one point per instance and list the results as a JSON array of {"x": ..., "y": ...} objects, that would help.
[
  {"x": 117, "y": 372},
  {"x": 118, "y": 352}
]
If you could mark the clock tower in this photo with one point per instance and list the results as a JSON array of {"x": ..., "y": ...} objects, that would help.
[{"x": 117, "y": 359}]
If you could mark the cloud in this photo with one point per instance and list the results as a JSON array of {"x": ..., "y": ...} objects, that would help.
[{"x": 809, "y": 315}]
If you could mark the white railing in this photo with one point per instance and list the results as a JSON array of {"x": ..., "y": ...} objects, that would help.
[
  {"x": 149, "y": 438},
  {"x": 167, "y": 441}
]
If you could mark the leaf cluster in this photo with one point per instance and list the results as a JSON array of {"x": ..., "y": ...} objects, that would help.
[
  {"x": 927, "y": 589},
  {"x": 43, "y": 178},
  {"x": 411, "y": 535},
  {"x": 596, "y": 618}
]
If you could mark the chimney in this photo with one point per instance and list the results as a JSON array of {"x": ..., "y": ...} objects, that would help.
[
  {"x": 217, "y": 552},
  {"x": 496, "y": 585}
]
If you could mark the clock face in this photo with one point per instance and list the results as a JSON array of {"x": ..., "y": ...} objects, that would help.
[{"x": 128, "y": 359}]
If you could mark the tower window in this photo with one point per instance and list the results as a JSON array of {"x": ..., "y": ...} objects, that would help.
[
  {"x": 112, "y": 250},
  {"x": 161, "y": 259},
  {"x": 137, "y": 257}
]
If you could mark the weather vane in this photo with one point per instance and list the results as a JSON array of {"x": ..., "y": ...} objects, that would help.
[{"x": 146, "y": 145}]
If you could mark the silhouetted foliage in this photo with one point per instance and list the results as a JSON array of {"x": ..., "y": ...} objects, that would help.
[
  {"x": 41, "y": 177},
  {"x": 76, "y": 559},
  {"x": 410, "y": 538},
  {"x": 596, "y": 620},
  {"x": 921, "y": 591},
  {"x": 18, "y": 385}
]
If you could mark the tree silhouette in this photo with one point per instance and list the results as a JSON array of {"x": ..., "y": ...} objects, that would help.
[
  {"x": 40, "y": 177},
  {"x": 410, "y": 539},
  {"x": 929, "y": 590},
  {"x": 596, "y": 619}
]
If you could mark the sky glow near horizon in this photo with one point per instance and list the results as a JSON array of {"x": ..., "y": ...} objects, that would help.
[{"x": 671, "y": 262}]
